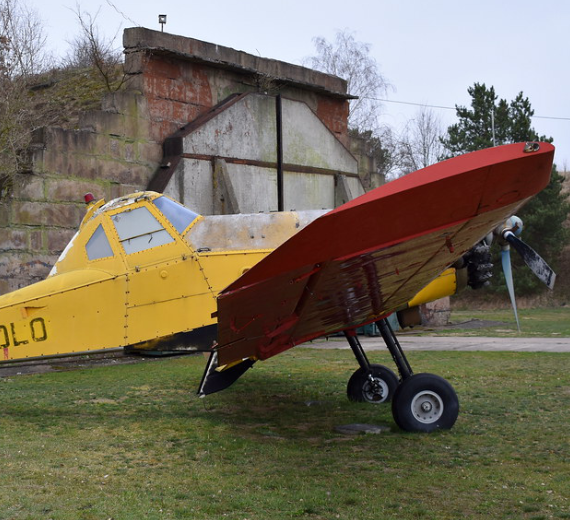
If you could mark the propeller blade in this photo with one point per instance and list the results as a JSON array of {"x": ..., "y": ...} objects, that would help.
[
  {"x": 532, "y": 259},
  {"x": 506, "y": 261}
]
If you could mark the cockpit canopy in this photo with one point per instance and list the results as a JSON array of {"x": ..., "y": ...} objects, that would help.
[{"x": 125, "y": 226}]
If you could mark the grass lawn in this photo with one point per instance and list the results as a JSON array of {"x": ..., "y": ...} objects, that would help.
[
  {"x": 544, "y": 322},
  {"x": 133, "y": 442}
]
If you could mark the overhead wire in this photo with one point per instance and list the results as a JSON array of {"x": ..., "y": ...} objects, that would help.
[
  {"x": 443, "y": 107},
  {"x": 121, "y": 13}
]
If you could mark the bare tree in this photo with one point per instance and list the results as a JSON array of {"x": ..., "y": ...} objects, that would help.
[
  {"x": 22, "y": 56},
  {"x": 351, "y": 60},
  {"x": 33, "y": 96},
  {"x": 420, "y": 142},
  {"x": 90, "y": 50},
  {"x": 24, "y": 40}
]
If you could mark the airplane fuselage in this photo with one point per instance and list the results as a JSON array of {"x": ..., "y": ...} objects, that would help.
[{"x": 142, "y": 272}]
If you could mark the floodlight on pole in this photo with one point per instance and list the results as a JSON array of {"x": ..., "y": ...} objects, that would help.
[{"x": 162, "y": 21}]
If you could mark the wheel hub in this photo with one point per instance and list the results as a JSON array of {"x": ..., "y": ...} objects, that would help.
[
  {"x": 427, "y": 407},
  {"x": 375, "y": 390}
]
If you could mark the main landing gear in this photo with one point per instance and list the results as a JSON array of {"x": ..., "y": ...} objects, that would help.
[{"x": 420, "y": 402}]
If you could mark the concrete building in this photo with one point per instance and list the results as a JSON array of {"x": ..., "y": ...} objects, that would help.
[
  {"x": 220, "y": 130},
  {"x": 258, "y": 153}
]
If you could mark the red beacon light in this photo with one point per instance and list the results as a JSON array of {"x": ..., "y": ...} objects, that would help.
[{"x": 89, "y": 198}]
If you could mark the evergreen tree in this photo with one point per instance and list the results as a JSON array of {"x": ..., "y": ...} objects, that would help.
[
  {"x": 544, "y": 231},
  {"x": 492, "y": 121}
]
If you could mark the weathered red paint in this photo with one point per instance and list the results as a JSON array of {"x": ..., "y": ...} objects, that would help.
[{"x": 375, "y": 252}]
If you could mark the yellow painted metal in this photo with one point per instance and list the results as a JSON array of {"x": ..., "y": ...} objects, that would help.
[
  {"x": 444, "y": 285},
  {"x": 56, "y": 320},
  {"x": 222, "y": 269},
  {"x": 121, "y": 299},
  {"x": 144, "y": 296},
  {"x": 166, "y": 299},
  {"x": 74, "y": 257}
]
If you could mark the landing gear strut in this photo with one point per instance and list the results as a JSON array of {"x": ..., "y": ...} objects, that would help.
[
  {"x": 370, "y": 383},
  {"x": 420, "y": 402}
]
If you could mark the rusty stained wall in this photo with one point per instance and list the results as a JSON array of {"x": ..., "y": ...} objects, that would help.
[
  {"x": 116, "y": 150},
  {"x": 182, "y": 77}
]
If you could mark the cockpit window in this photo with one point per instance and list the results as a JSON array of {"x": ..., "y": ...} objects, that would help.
[
  {"x": 180, "y": 216},
  {"x": 138, "y": 230},
  {"x": 98, "y": 245}
]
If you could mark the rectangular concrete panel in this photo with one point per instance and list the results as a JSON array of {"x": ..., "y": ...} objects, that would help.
[
  {"x": 307, "y": 141},
  {"x": 246, "y": 130},
  {"x": 194, "y": 185},
  {"x": 355, "y": 185},
  {"x": 304, "y": 191},
  {"x": 241, "y": 139},
  {"x": 255, "y": 187}
]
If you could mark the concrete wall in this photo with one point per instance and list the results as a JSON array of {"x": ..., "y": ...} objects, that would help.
[
  {"x": 234, "y": 155},
  {"x": 183, "y": 77},
  {"x": 119, "y": 148},
  {"x": 109, "y": 154}
]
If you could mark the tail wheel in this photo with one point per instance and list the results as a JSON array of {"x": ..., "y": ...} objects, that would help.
[
  {"x": 424, "y": 403},
  {"x": 376, "y": 385}
]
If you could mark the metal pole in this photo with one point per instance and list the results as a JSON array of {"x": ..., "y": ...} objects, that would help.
[
  {"x": 279, "y": 124},
  {"x": 395, "y": 349},
  {"x": 493, "y": 124}
]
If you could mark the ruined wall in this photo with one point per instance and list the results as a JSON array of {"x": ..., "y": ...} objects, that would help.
[
  {"x": 109, "y": 154},
  {"x": 116, "y": 150},
  {"x": 182, "y": 78}
]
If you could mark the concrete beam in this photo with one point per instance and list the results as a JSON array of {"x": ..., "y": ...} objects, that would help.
[
  {"x": 139, "y": 39},
  {"x": 223, "y": 181}
]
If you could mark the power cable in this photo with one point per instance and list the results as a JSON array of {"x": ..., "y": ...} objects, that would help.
[
  {"x": 451, "y": 108},
  {"x": 122, "y": 14}
]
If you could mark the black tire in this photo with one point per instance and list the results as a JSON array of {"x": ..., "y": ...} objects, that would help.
[
  {"x": 424, "y": 403},
  {"x": 380, "y": 389}
]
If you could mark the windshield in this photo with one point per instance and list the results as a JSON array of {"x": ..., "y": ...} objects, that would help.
[
  {"x": 180, "y": 216},
  {"x": 139, "y": 230}
]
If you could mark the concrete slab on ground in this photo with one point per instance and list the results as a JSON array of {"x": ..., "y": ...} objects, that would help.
[
  {"x": 407, "y": 341},
  {"x": 458, "y": 343}
]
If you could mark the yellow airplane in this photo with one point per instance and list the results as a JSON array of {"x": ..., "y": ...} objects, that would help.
[
  {"x": 146, "y": 273},
  {"x": 143, "y": 272}
]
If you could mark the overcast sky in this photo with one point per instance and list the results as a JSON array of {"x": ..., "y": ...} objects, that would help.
[{"x": 429, "y": 51}]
